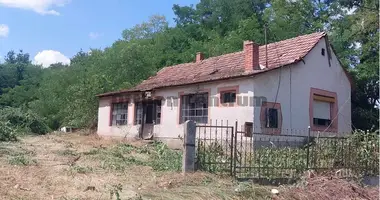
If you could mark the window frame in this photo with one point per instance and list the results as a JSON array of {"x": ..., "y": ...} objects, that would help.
[
  {"x": 112, "y": 115},
  {"x": 222, "y": 97},
  {"x": 138, "y": 120},
  {"x": 326, "y": 96},
  {"x": 228, "y": 89},
  {"x": 264, "y": 118},
  {"x": 182, "y": 110}
]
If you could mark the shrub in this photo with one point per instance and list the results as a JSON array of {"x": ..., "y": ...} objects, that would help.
[
  {"x": 7, "y": 132},
  {"x": 24, "y": 121}
]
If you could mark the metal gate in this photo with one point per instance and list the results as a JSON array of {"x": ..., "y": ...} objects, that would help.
[{"x": 215, "y": 148}]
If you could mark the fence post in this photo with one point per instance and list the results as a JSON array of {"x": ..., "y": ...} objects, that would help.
[
  {"x": 188, "y": 158},
  {"x": 234, "y": 143},
  {"x": 308, "y": 148}
]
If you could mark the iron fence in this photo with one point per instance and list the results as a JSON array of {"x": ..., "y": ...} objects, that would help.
[{"x": 226, "y": 149}]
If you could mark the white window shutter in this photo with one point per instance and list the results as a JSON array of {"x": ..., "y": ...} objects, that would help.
[{"x": 321, "y": 109}]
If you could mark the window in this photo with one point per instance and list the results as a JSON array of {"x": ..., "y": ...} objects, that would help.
[
  {"x": 248, "y": 126},
  {"x": 119, "y": 114},
  {"x": 194, "y": 107},
  {"x": 323, "y": 52},
  {"x": 228, "y": 97},
  {"x": 323, "y": 110},
  {"x": 138, "y": 112},
  {"x": 321, "y": 113},
  {"x": 272, "y": 118},
  {"x": 158, "y": 111}
]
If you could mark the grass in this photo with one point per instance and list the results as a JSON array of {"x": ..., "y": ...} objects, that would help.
[
  {"x": 16, "y": 154},
  {"x": 22, "y": 160},
  {"x": 123, "y": 170},
  {"x": 80, "y": 169},
  {"x": 67, "y": 152},
  {"x": 156, "y": 155}
]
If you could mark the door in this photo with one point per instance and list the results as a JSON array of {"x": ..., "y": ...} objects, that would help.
[{"x": 147, "y": 132}]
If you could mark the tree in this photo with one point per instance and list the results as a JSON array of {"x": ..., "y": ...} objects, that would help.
[
  {"x": 146, "y": 30},
  {"x": 65, "y": 94}
]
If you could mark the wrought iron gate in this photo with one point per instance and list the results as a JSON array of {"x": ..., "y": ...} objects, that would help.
[{"x": 215, "y": 150}]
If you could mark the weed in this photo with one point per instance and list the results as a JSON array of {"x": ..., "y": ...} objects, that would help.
[
  {"x": 115, "y": 191},
  {"x": 80, "y": 169},
  {"x": 247, "y": 190},
  {"x": 67, "y": 152},
  {"x": 156, "y": 155},
  {"x": 21, "y": 160},
  {"x": 206, "y": 180},
  {"x": 165, "y": 159},
  {"x": 69, "y": 145},
  {"x": 92, "y": 152}
]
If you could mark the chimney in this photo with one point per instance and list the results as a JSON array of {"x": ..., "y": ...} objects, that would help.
[
  {"x": 199, "y": 57},
  {"x": 251, "y": 56}
]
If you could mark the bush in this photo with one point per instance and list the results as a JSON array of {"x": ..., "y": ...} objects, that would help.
[
  {"x": 23, "y": 121},
  {"x": 7, "y": 133}
]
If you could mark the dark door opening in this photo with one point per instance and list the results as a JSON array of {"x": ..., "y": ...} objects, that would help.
[{"x": 149, "y": 113}]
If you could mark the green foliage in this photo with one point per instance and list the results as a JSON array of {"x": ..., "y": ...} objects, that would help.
[
  {"x": 165, "y": 159},
  {"x": 22, "y": 121},
  {"x": 357, "y": 154},
  {"x": 156, "y": 155},
  {"x": 65, "y": 95},
  {"x": 80, "y": 169},
  {"x": 22, "y": 160},
  {"x": 67, "y": 152},
  {"x": 213, "y": 157},
  {"x": 7, "y": 132}
]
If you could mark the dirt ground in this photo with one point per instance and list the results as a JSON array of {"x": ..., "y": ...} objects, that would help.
[{"x": 62, "y": 166}]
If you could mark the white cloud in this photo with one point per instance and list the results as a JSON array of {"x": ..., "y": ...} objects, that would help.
[
  {"x": 48, "y": 57},
  {"x": 43, "y": 7},
  {"x": 94, "y": 35},
  {"x": 4, "y": 30}
]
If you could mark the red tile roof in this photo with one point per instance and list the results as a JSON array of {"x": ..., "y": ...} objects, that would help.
[{"x": 229, "y": 65}]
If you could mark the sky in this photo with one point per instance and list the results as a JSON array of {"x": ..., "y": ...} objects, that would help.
[{"x": 55, "y": 30}]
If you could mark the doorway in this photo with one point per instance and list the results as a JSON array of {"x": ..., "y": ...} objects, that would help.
[{"x": 148, "y": 114}]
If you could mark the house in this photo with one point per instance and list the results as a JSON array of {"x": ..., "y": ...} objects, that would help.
[{"x": 287, "y": 85}]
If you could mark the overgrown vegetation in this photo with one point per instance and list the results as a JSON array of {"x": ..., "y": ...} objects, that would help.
[
  {"x": 7, "y": 133},
  {"x": 65, "y": 95},
  {"x": 15, "y": 121},
  {"x": 156, "y": 155},
  {"x": 22, "y": 160},
  {"x": 354, "y": 156},
  {"x": 18, "y": 155}
]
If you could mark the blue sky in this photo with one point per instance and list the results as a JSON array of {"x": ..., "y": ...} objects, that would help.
[{"x": 58, "y": 29}]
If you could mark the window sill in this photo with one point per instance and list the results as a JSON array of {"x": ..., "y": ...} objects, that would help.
[
  {"x": 323, "y": 128},
  {"x": 120, "y": 125},
  {"x": 232, "y": 104}
]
